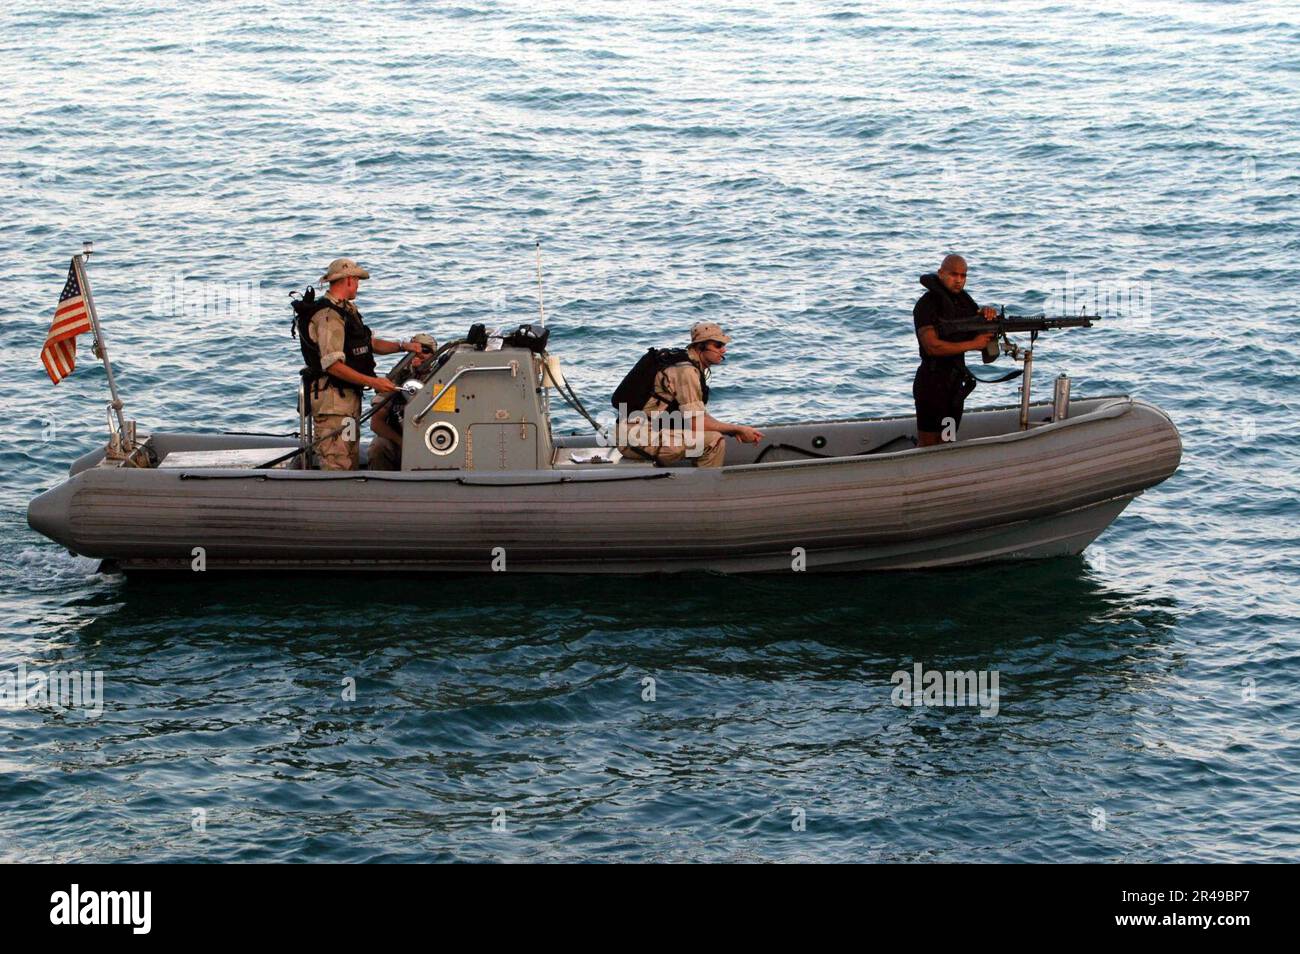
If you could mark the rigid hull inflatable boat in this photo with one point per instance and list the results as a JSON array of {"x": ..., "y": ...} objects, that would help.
[{"x": 485, "y": 486}]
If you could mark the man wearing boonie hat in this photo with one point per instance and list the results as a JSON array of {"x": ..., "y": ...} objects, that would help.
[
  {"x": 385, "y": 450},
  {"x": 682, "y": 387},
  {"x": 340, "y": 353}
]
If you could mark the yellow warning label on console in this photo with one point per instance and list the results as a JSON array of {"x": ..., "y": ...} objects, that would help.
[{"x": 447, "y": 401}]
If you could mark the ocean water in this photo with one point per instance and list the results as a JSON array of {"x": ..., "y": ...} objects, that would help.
[{"x": 787, "y": 169}]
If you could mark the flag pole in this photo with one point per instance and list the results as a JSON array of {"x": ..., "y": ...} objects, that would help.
[{"x": 101, "y": 347}]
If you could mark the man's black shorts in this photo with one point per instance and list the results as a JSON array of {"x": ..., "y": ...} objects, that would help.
[{"x": 940, "y": 393}]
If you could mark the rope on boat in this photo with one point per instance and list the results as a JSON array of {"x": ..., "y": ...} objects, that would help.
[{"x": 463, "y": 481}]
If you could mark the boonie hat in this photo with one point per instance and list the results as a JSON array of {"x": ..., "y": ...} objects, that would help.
[
  {"x": 708, "y": 331},
  {"x": 343, "y": 268},
  {"x": 426, "y": 340}
]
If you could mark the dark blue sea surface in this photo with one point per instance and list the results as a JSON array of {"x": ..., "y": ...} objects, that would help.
[{"x": 787, "y": 170}]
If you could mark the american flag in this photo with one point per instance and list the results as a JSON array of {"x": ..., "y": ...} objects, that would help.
[{"x": 70, "y": 319}]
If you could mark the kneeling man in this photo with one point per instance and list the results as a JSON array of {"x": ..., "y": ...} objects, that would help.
[{"x": 675, "y": 425}]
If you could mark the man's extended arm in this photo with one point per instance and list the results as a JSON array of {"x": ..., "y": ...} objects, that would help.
[
  {"x": 384, "y": 346},
  {"x": 327, "y": 331},
  {"x": 935, "y": 346},
  {"x": 746, "y": 435},
  {"x": 683, "y": 381},
  {"x": 344, "y": 373}
]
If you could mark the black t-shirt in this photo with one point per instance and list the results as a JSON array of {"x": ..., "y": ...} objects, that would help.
[
  {"x": 933, "y": 308},
  {"x": 396, "y": 410}
]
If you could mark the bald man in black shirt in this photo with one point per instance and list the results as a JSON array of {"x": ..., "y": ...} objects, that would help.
[{"x": 942, "y": 381}]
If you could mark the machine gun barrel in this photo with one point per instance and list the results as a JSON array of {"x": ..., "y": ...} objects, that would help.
[
  {"x": 1010, "y": 324},
  {"x": 999, "y": 343}
]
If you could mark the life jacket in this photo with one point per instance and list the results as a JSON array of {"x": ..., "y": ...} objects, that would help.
[
  {"x": 950, "y": 370},
  {"x": 951, "y": 307},
  {"x": 357, "y": 351},
  {"x": 638, "y": 385}
]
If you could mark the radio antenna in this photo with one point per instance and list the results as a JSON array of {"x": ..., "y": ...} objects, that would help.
[{"x": 540, "y": 310}]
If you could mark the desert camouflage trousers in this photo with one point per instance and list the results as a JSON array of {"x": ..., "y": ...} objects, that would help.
[
  {"x": 330, "y": 412},
  {"x": 675, "y": 448}
]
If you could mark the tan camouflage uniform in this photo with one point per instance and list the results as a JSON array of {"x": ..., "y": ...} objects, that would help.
[
  {"x": 332, "y": 409},
  {"x": 682, "y": 382},
  {"x": 384, "y": 453}
]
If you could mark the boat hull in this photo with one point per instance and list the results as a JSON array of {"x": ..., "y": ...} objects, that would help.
[{"x": 1046, "y": 492}]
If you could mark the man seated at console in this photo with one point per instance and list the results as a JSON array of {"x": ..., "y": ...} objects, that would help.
[{"x": 385, "y": 450}]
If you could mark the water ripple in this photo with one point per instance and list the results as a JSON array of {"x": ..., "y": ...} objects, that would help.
[{"x": 788, "y": 171}]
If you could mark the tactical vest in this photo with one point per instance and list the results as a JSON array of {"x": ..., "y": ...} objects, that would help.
[
  {"x": 638, "y": 385},
  {"x": 951, "y": 308},
  {"x": 672, "y": 402},
  {"x": 357, "y": 351}
]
